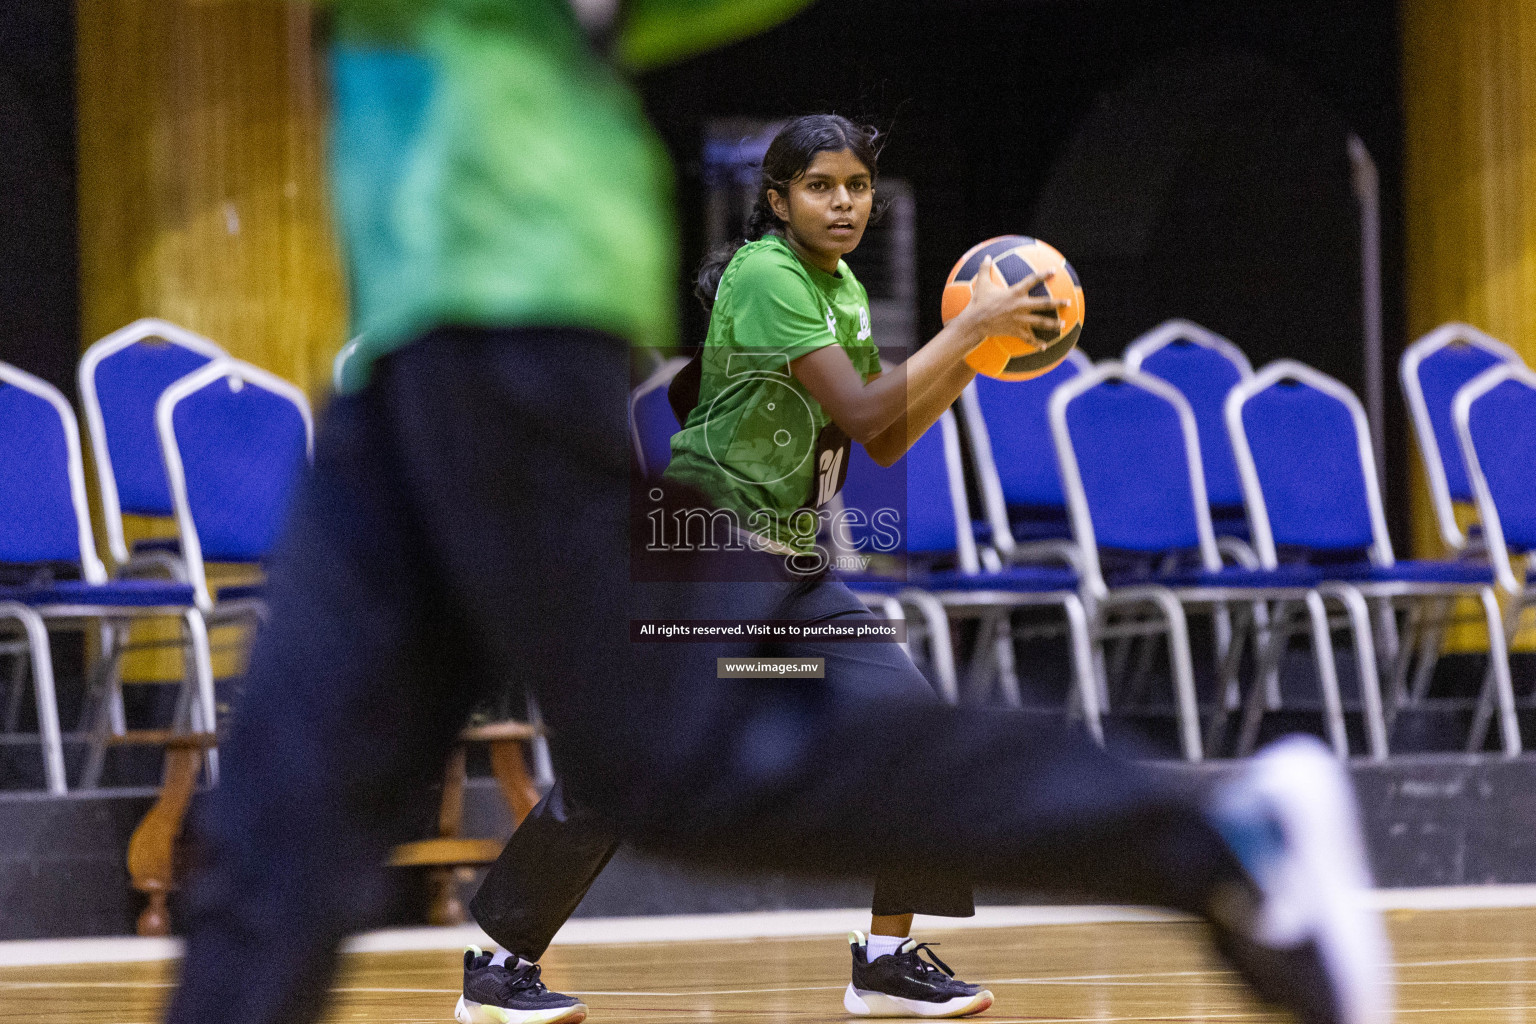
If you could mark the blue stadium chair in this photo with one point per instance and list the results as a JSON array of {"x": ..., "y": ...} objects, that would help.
[
  {"x": 45, "y": 534},
  {"x": 1204, "y": 366},
  {"x": 235, "y": 439},
  {"x": 1495, "y": 419},
  {"x": 917, "y": 511},
  {"x": 120, "y": 378},
  {"x": 1303, "y": 448},
  {"x": 651, "y": 420},
  {"x": 1432, "y": 370},
  {"x": 1129, "y": 451},
  {"x": 1010, "y": 441}
]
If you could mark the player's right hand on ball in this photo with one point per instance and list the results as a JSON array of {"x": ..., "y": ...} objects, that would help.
[{"x": 1011, "y": 310}]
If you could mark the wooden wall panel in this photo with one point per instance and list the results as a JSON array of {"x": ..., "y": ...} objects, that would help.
[{"x": 202, "y": 196}]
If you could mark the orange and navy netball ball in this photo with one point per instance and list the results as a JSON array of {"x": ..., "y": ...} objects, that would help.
[{"x": 1015, "y": 257}]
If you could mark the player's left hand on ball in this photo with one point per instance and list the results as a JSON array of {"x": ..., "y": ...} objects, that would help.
[{"x": 1011, "y": 310}]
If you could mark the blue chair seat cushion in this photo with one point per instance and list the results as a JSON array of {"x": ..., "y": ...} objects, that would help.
[
  {"x": 114, "y": 594},
  {"x": 1226, "y": 576},
  {"x": 1412, "y": 571}
]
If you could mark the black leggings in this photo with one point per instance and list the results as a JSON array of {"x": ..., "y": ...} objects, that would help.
[
  {"x": 559, "y": 850},
  {"x": 466, "y": 522}
]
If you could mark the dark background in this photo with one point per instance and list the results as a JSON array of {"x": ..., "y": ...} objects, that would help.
[
  {"x": 1188, "y": 157},
  {"x": 39, "y": 290}
]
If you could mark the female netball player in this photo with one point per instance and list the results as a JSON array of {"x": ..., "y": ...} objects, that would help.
[
  {"x": 509, "y": 235},
  {"x": 788, "y": 377}
]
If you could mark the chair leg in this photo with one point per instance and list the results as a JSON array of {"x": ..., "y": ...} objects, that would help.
[
  {"x": 13, "y": 693},
  {"x": 109, "y": 716},
  {"x": 1497, "y": 684},
  {"x": 151, "y": 850},
  {"x": 893, "y": 612},
  {"x": 1221, "y": 624},
  {"x": 1396, "y": 696},
  {"x": 1271, "y": 676},
  {"x": 1100, "y": 670},
  {"x": 1082, "y": 665},
  {"x": 1229, "y": 689},
  {"x": 1270, "y": 646},
  {"x": 512, "y": 776},
  {"x": 538, "y": 749},
  {"x": 1007, "y": 669},
  {"x": 444, "y": 906},
  {"x": 941, "y": 650},
  {"x": 1182, "y": 664},
  {"x": 1359, "y": 613},
  {"x": 40, "y": 654},
  {"x": 200, "y": 663},
  {"x": 1230, "y": 665},
  {"x": 1429, "y": 650},
  {"x": 1140, "y": 680},
  {"x": 978, "y": 681},
  {"x": 1328, "y": 674},
  {"x": 1183, "y": 677},
  {"x": 1387, "y": 639}
]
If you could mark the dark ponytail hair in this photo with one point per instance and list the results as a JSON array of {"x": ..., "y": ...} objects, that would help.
[{"x": 789, "y": 156}]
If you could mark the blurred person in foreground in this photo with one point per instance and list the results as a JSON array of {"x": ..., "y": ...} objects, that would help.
[{"x": 506, "y": 212}]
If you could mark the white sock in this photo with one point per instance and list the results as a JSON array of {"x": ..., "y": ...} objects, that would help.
[
  {"x": 501, "y": 956},
  {"x": 883, "y": 945}
]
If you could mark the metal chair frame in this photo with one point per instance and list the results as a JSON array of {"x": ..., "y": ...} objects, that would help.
[
  {"x": 1355, "y": 593},
  {"x": 111, "y": 618},
  {"x": 1170, "y": 602},
  {"x": 133, "y": 334},
  {"x": 1441, "y": 500},
  {"x": 225, "y": 369},
  {"x": 1520, "y": 596},
  {"x": 993, "y": 606}
]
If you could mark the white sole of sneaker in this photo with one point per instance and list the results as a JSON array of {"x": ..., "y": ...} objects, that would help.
[
  {"x": 862, "y": 1003},
  {"x": 1311, "y": 793},
  {"x": 468, "y": 1012}
]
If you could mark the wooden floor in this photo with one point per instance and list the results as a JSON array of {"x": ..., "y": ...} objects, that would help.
[{"x": 1454, "y": 967}]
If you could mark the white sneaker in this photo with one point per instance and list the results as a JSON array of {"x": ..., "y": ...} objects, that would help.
[{"x": 1305, "y": 937}]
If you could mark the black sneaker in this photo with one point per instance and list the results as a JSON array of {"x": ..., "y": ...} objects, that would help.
[
  {"x": 1302, "y": 934},
  {"x": 511, "y": 995},
  {"x": 903, "y": 984}
]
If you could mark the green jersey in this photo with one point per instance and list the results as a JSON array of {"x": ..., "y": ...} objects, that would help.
[
  {"x": 757, "y": 443},
  {"x": 490, "y": 168}
]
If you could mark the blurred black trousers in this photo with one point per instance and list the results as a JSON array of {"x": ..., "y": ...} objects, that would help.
[
  {"x": 466, "y": 523},
  {"x": 560, "y": 848}
]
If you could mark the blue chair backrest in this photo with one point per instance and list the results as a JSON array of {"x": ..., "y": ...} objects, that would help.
[
  {"x": 1441, "y": 375},
  {"x": 37, "y": 511},
  {"x": 241, "y": 451},
  {"x": 654, "y": 424},
  {"x": 910, "y": 499},
  {"x": 1502, "y": 424},
  {"x": 1307, "y": 454},
  {"x": 1204, "y": 376},
  {"x": 1019, "y": 428},
  {"x": 1130, "y": 453},
  {"x": 128, "y": 383}
]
